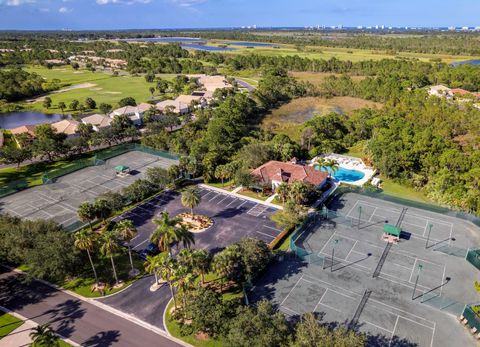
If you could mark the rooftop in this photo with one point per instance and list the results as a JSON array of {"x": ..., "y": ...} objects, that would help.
[{"x": 289, "y": 173}]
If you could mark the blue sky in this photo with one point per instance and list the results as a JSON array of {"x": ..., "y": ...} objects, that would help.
[{"x": 138, "y": 14}]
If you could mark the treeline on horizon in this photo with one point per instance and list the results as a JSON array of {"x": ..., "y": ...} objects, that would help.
[{"x": 431, "y": 42}]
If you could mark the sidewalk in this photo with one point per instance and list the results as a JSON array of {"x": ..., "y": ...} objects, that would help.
[{"x": 21, "y": 335}]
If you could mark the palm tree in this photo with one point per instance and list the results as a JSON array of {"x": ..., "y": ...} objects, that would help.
[
  {"x": 327, "y": 163},
  {"x": 185, "y": 236},
  {"x": 152, "y": 265},
  {"x": 191, "y": 198},
  {"x": 221, "y": 172},
  {"x": 167, "y": 269},
  {"x": 84, "y": 241},
  {"x": 298, "y": 191},
  {"x": 43, "y": 335},
  {"x": 87, "y": 213},
  {"x": 184, "y": 280},
  {"x": 201, "y": 264},
  {"x": 283, "y": 190},
  {"x": 109, "y": 247},
  {"x": 224, "y": 263},
  {"x": 166, "y": 232},
  {"x": 127, "y": 231},
  {"x": 185, "y": 258}
]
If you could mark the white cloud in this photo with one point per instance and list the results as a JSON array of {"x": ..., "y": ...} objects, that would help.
[
  {"x": 64, "y": 10},
  {"x": 15, "y": 2},
  {"x": 122, "y": 2},
  {"x": 188, "y": 3}
]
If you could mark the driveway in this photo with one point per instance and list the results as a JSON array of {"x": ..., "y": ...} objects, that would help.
[{"x": 78, "y": 320}]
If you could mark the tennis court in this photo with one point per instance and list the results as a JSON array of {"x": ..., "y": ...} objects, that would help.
[
  {"x": 59, "y": 200},
  {"x": 400, "y": 294}
]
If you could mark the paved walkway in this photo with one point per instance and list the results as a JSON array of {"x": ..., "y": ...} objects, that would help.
[
  {"x": 19, "y": 337},
  {"x": 83, "y": 321}
]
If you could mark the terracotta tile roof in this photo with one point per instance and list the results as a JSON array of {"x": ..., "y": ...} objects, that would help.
[
  {"x": 289, "y": 173},
  {"x": 178, "y": 106},
  {"x": 459, "y": 91},
  {"x": 140, "y": 108},
  {"x": 98, "y": 120},
  {"x": 24, "y": 129},
  {"x": 66, "y": 126}
]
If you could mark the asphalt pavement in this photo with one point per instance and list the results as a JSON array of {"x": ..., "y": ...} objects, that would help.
[{"x": 78, "y": 320}]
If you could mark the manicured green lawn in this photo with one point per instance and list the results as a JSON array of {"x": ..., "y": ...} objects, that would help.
[
  {"x": 83, "y": 283},
  {"x": 227, "y": 185},
  {"x": 254, "y": 195},
  {"x": 8, "y": 323},
  {"x": 64, "y": 344},
  {"x": 402, "y": 191},
  {"x": 106, "y": 89}
]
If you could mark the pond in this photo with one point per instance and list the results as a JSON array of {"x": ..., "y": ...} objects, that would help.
[
  {"x": 251, "y": 44},
  {"x": 165, "y": 39},
  {"x": 207, "y": 48},
  {"x": 467, "y": 62},
  {"x": 15, "y": 119}
]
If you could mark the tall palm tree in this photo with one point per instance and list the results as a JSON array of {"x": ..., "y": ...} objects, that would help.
[
  {"x": 224, "y": 264},
  {"x": 327, "y": 164},
  {"x": 283, "y": 191},
  {"x": 191, "y": 198},
  {"x": 167, "y": 269},
  {"x": 221, "y": 172},
  {"x": 152, "y": 265},
  {"x": 184, "y": 280},
  {"x": 185, "y": 236},
  {"x": 126, "y": 230},
  {"x": 84, "y": 241},
  {"x": 201, "y": 262},
  {"x": 43, "y": 335},
  {"x": 166, "y": 232},
  {"x": 109, "y": 247},
  {"x": 87, "y": 213}
]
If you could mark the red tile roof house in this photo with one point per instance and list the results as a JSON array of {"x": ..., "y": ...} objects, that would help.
[{"x": 277, "y": 172}]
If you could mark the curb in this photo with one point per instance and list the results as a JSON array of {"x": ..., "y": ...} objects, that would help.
[
  {"x": 25, "y": 319},
  {"x": 112, "y": 310},
  {"x": 223, "y": 191}
]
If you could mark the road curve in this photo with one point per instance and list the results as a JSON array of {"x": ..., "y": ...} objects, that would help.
[{"x": 71, "y": 317}]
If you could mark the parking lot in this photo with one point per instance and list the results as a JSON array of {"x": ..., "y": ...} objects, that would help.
[
  {"x": 423, "y": 282},
  {"x": 59, "y": 201},
  {"x": 234, "y": 218}
]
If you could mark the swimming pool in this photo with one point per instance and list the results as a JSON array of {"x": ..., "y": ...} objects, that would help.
[{"x": 343, "y": 174}]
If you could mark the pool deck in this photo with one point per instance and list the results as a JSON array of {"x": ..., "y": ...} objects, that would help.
[{"x": 352, "y": 163}]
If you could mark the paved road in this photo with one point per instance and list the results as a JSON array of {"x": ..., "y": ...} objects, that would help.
[
  {"x": 245, "y": 85},
  {"x": 72, "y": 318}
]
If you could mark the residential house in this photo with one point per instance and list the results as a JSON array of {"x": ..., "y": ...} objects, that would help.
[
  {"x": 175, "y": 106},
  {"x": 211, "y": 83},
  {"x": 98, "y": 121},
  {"x": 207, "y": 95},
  {"x": 24, "y": 129},
  {"x": 439, "y": 91},
  {"x": 135, "y": 113},
  {"x": 67, "y": 126},
  {"x": 277, "y": 172},
  {"x": 188, "y": 99},
  {"x": 459, "y": 92}
]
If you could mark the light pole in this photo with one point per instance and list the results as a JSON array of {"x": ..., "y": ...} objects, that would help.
[
  {"x": 333, "y": 254},
  {"x": 359, "y": 215},
  {"x": 429, "y": 226},
  {"x": 420, "y": 266}
]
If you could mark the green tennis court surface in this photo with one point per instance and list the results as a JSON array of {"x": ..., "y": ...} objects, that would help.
[{"x": 421, "y": 283}]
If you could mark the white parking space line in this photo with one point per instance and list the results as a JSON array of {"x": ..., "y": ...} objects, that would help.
[
  {"x": 270, "y": 236},
  {"x": 244, "y": 202},
  {"x": 226, "y": 197},
  {"x": 234, "y": 200},
  {"x": 141, "y": 243},
  {"x": 269, "y": 227},
  {"x": 216, "y": 196}
]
